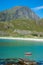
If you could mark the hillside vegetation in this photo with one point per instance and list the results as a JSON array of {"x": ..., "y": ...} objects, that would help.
[{"x": 21, "y": 28}]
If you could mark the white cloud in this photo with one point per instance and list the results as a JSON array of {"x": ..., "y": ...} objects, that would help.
[{"x": 38, "y": 8}]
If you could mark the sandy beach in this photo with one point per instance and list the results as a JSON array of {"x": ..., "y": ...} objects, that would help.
[{"x": 18, "y": 38}]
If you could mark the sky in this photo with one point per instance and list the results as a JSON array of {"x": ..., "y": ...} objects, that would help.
[{"x": 35, "y": 5}]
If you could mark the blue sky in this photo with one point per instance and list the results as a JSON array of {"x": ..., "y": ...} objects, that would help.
[{"x": 35, "y": 5}]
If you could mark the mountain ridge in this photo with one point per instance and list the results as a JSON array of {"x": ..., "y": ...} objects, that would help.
[{"x": 18, "y": 12}]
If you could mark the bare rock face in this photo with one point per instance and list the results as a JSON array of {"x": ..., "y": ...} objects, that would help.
[{"x": 19, "y": 12}]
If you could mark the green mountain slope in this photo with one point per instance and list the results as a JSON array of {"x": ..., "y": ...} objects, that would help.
[{"x": 21, "y": 28}]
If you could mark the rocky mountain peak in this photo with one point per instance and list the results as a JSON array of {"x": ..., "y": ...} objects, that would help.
[{"x": 18, "y": 12}]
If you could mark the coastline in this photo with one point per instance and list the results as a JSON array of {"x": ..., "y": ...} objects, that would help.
[{"x": 18, "y": 38}]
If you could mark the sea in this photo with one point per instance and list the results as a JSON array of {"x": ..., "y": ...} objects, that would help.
[{"x": 11, "y": 48}]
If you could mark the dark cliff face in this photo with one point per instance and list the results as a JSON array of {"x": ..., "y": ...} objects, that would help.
[{"x": 19, "y": 12}]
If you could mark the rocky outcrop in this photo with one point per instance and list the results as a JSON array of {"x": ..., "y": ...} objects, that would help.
[
  {"x": 22, "y": 32},
  {"x": 20, "y": 12}
]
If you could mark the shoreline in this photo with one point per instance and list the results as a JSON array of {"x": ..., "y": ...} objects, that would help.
[{"x": 18, "y": 38}]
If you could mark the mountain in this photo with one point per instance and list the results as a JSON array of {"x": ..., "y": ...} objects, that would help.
[
  {"x": 20, "y": 21},
  {"x": 18, "y": 12}
]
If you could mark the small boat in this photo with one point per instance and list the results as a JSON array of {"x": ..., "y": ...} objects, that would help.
[{"x": 28, "y": 53}]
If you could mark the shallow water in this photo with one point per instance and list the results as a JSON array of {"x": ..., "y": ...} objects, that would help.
[{"x": 18, "y": 48}]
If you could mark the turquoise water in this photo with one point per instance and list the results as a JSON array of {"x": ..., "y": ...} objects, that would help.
[{"x": 13, "y": 51}]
